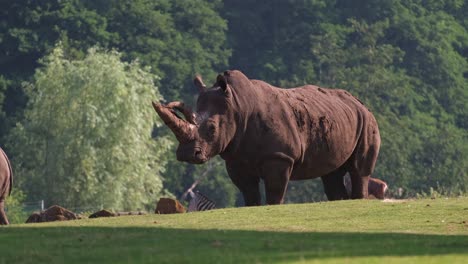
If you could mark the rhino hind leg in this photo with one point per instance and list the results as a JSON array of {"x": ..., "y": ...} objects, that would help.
[
  {"x": 334, "y": 186},
  {"x": 3, "y": 217},
  {"x": 362, "y": 163},
  {"x": 359, "y": 185}
]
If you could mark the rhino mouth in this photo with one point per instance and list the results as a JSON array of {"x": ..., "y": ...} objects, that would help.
[
  {"x": 199, "y": 156},
  {"x": 194, "y": 156}
]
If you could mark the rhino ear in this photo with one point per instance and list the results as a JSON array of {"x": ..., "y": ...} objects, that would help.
[
  {"x": 199, "y": 83},
  {"x": 221, "y": 82}
]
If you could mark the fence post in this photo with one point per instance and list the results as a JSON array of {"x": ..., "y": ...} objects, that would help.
[{"x": 42, "y": 205}]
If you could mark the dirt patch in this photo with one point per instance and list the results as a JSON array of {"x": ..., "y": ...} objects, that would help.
[
  {"x": 169, "y": 206},
  {"x": 395, "y": 200},
  {"x": 53, "y": 213},
  {"x": 102, "y": 213}
]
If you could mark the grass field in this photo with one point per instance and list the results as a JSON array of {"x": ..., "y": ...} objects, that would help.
[{"x": 362, "y": 231}]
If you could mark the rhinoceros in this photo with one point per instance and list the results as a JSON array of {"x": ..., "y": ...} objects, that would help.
[
  {"x": 274, "y": 134},
  {"x": 6, "y": 182}
]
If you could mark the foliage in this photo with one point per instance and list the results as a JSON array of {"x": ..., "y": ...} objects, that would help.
[
  {"x": 86, "y": 137},
  {"x": 14, "y": 208},
  {"x": 330, "y": 232}
]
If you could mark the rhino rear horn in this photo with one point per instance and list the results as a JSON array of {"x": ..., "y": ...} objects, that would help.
[{"x": 182, "y": 129}]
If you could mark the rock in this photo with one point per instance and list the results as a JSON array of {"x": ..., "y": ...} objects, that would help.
[
  {"x": 34, "y": 218},
  {"x": 102, "y": 213},
  {"x": 53, "y": 213},
  {"x": 169, "y": 206}
]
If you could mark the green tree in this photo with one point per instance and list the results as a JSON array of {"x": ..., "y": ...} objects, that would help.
[
  {"x": 177, "y": 38},
  {"x": 86, "y": 137}
]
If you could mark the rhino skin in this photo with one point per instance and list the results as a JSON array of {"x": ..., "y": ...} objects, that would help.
[
  {"x": 6, "y": 183},
  {"x": 265, "y": 132}
]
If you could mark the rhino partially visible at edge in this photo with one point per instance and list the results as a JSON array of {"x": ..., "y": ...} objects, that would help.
[{"x": 6, "y": 182}]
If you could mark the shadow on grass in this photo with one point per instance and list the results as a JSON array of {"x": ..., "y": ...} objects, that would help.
[{"x": 164, "y": 245}]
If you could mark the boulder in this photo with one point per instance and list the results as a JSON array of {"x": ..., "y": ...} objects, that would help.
[
  {"x": 34, "y": 218},
  {"x": 169, "y": 206},
  {"x": 53, "y": 213}
]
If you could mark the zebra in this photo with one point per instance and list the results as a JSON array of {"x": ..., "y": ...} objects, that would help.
[{"x": 199, "y": 202}]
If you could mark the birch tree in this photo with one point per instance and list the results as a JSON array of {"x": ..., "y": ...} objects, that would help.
[{"x": 86, "y": 139}]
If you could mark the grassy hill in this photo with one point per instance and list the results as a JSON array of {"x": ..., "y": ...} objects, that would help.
[{"x": 363, "y": 231}]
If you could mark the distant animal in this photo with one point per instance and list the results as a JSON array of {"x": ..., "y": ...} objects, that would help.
[
  {"x": 200, "y": 202},
  {"x": 6, "y": 183},
  {"x": 267, "y": 133},
  {"x": 377, "y": 187}
]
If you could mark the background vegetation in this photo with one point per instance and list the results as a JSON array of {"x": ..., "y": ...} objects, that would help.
[{"x": 407, "y": 60}]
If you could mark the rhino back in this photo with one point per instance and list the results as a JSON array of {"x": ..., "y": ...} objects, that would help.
[{"x": 317, "y": 128}]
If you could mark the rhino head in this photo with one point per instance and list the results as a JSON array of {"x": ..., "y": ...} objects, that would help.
[{"x": 208, "y": 131}]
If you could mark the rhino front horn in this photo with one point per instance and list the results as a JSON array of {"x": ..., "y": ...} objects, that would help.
[{"x": 183, "y": 130}]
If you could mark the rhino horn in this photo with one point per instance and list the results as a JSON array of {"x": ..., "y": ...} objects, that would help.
[
  {"x": 183, "y": 130},
  {"x": 187, "y": 112}
]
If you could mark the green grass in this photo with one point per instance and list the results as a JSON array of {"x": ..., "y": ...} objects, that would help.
[{"x": 363, "y": 231}]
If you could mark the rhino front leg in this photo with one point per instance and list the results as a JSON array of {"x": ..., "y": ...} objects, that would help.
[
  {"x": 276, "y": 175},
  {"x": 249, "y": 187},
  {"x": 247, "y": 183},
  {"x": 333, "y": 185}
]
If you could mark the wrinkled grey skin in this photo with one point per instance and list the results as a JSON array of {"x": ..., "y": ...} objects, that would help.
[
  {"x": 277, "y": 135},
  {"x": 6, "y": 182}
]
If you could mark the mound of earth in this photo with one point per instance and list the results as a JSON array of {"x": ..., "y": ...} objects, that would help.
[
  {"x": 102, "y": 213},
  {"x": 169, "y": 206},
  {"x": 131, "y": 213},
  {"x": 53, "y": 213}
]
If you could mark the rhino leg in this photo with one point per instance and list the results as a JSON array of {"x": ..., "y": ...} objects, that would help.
[
  {"x": 359, "y": 185},
  {"x": 250, "y": 191},
  {"x": 333, "y": 185},
  {"x": 246, "y": 182},
  {"x": 251, "y": 195},
  {"x": 3, "y": 217},
  {"x": 276, "y": 175}
]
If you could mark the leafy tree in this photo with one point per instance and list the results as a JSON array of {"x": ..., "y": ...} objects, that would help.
[
  {"x": 176, "y": 38},
  {"x": 86, "y": 138}
]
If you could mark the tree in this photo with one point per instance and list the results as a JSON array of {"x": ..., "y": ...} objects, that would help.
[
  {"x": 86, "y": 137},
  {"x": 177, "y": 38}
]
